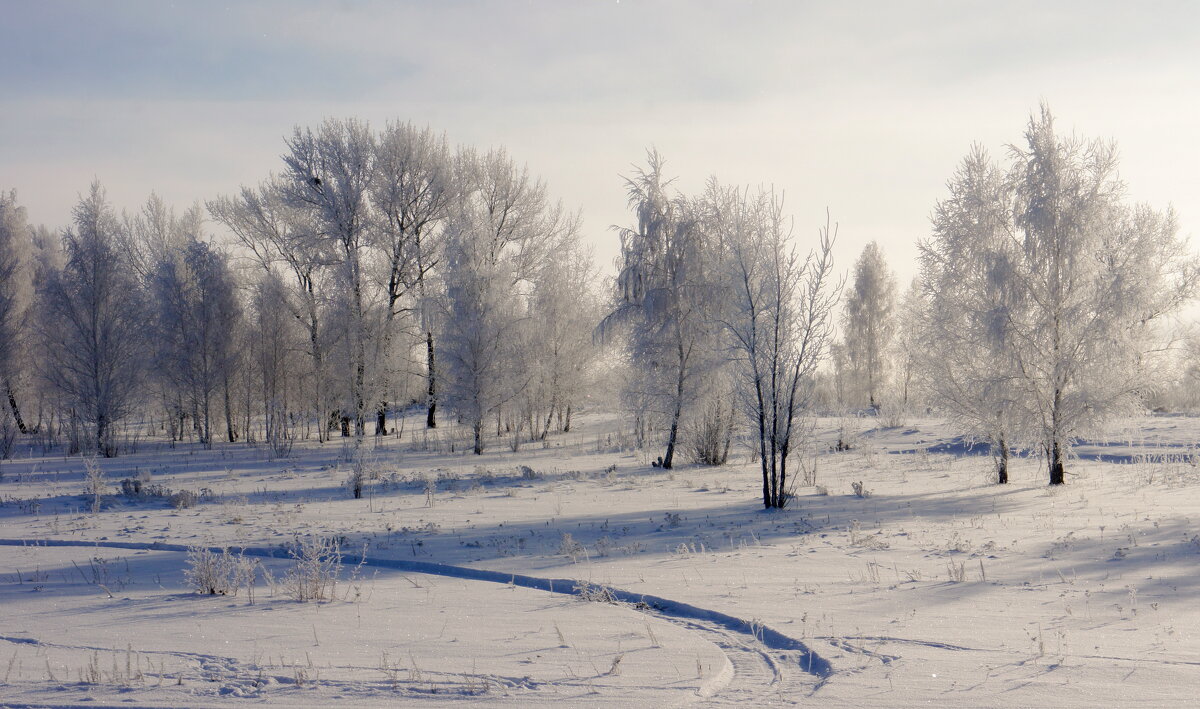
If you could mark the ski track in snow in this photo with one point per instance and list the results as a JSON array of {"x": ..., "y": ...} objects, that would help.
[{"x": 763, "y": 664}]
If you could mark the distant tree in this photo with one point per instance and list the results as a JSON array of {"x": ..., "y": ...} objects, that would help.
[
  {"x": 197, "y": 316},
  {"x": 868, "y": 321},
  {"x": 564, "y": 311},
  {"x": 93, "y": 321},
  {"x": 412, "y": 190},
  {"x": 501, "y": 231},
  {"x": 329, "y": 174},
  {"x": 1084, "y": 276},
  {"x": 16, "y": 298},
  {"x": 281, "y": 236},
  {"x": 907, "y": 345},
  {"x": 277, "y": 339}
]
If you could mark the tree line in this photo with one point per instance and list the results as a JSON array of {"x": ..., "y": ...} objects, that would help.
[
  {"x": 385, "y": 268},
  {"x": 378, "y": 268}
]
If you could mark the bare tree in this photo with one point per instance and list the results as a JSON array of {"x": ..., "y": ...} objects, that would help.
[
  {"x": 93, "y": 322},
  {"x": 276, "y": 340},
  {"x": 564, "y": 310},
  {"x": 780, "y": 325},
  {"x": 197, "y": 314}
]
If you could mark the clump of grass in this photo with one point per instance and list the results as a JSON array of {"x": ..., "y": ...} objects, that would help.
[{"x": 595, "y": 593}]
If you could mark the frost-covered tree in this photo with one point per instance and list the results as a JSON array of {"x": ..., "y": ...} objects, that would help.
[
  {"x": 1084, "y": 278},
  {"x": 197, "y": 316},
  {"x": 780, "y": 324},
  {"x": 481, "y": 334},
  {"x": 285, "y": 245},
  {"x": 501, "y": 229},
  {"x": 412, "y": 191},
  {"x": 16, "y": 298},
  {"x": 968, "y": 364},
  {"x": 668, "y": 270},
  {"x": 92, "y": 322},
  {"x": 868, "y": 322},
  {"x": 906, "y": 345},
  {"x": 329, "y": 174},
  {"x": 560, "y": 351},
  {"x": 276, "y": 343}
]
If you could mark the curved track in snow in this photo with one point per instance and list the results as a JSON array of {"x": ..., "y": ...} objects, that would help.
[{"x": 764, "y": 664}]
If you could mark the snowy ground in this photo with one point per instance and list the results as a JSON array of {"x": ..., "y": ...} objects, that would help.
[{"x": 460, "y": 572}]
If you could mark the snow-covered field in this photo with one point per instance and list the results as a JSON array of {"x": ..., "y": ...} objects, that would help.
[{"x": 461, "y": 574}]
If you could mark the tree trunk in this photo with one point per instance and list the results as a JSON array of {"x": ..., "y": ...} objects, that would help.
[
  {"x": 669, "y": 458},
  {"x": 230, "y": 428},
  {"x": 1057, "y": 474},
  {"x": 1002, "y": 461},
  {"x": 382, "y": 419},
  {"x": 12, "y": 402},
  {"x": 431, "y": 374},
  {"x": 477, "y": 427},
  {"x": 102, "y": 436},
  {"x": 567, "y": 421},
  {"x": 781, "y": 491}
]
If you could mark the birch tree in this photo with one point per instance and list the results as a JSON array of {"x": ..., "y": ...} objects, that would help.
[
  {"x": 1085, "y": 278},
  {"x": 868, "y": 321},
  {"x": 780, "y": 326},
  {"x": 501, "y": 231},
  {"x": 329, "y": 174},
  {"x": 664, "y": 296},
  {"x": 970, "y": 367},
  {"x": 93, "y": 321},
  {"x": 412, "y": 191},
  {"x": 16, "y": 298}
]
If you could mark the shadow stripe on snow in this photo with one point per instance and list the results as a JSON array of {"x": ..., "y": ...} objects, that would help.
[{"x": 809, "y": 661}]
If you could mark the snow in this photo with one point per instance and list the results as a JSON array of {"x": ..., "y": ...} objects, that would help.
[{"x": 461, "y": 576}]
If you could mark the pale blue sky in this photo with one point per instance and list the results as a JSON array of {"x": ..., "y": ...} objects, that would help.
[{"x": 863, "y": 107}]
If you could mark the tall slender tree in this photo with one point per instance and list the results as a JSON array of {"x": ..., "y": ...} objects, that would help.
[
  {"x": 664, "y": 296},
  {"x": 412, "y": 190},
  {"x": 330, "y": 173},
  {"x": 93, "y": 322},
  {"x": 780, "y": 325},
  {"x": 868, "y": 322},
  {"x": 16, "y": 298}
]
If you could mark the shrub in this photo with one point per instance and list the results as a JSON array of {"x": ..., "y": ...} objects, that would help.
[
  {"x": 93, "y": 482},
  {"x": 315, "y": 573},
  {"x": 182, "y": 499},
  {"x": 219, "y": 574},
  {"x": 711, "y": 434}
]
